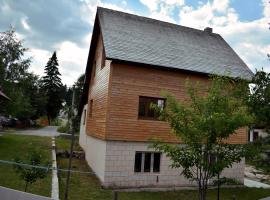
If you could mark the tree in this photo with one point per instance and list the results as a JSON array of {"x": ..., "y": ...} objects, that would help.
[
  {"x": 30, "y": 174},
  {"x": 13, "y": 69},
  {"x": 78, "y": 89},
  {"x": 52, "y": 86},
  {"x": 259, "y": 99},
  {"x": 202, "y": 124},
  {"x": 13, "y": 64}
]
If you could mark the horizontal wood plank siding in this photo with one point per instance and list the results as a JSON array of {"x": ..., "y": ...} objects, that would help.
[{"x": 130, "y": 82}]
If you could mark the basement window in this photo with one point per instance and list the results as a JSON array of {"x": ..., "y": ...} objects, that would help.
[
  {"x": 147, "y": 162},
  {"x": 145, "y": 107}
]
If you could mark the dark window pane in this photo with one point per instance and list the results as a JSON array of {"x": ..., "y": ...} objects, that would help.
[
  {"x": 138, "y": 162},
  {"x": 103, "y": 59},
  {"x": 255, "y": 135},
  {"x": 156, "y": 167},
  {"x": 147, "y": 162},
  {"x": 94, "y": 70},
  {"x": 142, "y": 109},
  {"x": 146, "y": 110}
]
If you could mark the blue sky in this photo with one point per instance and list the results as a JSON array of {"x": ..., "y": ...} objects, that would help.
[{"x": 66, "y": 26}]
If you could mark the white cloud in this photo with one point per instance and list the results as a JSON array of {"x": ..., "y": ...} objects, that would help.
[
  {"x": 250, "y": 39},
  {"x": 162, "y": 9},
  {"x": 266, "y": 10},
  {"x": 114, "y": 7},
  {"x": 151, "y": 4},
  {"x": 25, "y": 24},
  {"x": 72, "y": 60},
  {"x": 220, "y": 5},
  {"x": 40, "y": 58}
]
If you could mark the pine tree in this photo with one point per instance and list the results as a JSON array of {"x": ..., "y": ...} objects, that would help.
[{"x": 52, "y": 86}]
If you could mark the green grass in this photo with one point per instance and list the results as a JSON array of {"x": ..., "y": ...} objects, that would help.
[
  {"x": 87, "y": 187},
  {"x": 12, "y": 146},
  {"x": 226, "y": 194},
  {"x": 82, "y": 186},
  {"x": 64, "y": 142}
]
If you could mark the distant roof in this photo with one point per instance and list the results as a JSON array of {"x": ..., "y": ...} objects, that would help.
[{"x": 139, "y": 39}]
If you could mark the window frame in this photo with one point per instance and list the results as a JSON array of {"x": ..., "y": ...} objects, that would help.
[
  {"x": 142, "y": 162},
  {"x": 148, "y": 98}
]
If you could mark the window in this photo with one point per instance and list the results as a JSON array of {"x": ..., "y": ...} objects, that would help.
[
  {"x": 91, "y": 108},
  {"x": 103, "y": 59},
  {"x": 156, "y": 166},
  {"x": 138, "y": 162},
  {"x": 145, "y": 109},
  {"x": 147, "y": 162},
  {"x": 84, "y": 117},
  {"x": 255, "y": 135},
  {"x": 94, "y": 68}
]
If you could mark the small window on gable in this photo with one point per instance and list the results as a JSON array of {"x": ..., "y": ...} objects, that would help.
[
  {"x": 91, "y": 108},
  {"x": 145, "y": 107},
  {"x": 94, "y": 68},
  {"x": 103, "y": 59}
]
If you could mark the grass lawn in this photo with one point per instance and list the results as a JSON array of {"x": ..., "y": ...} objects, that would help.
[
  {"x": 87, "y": 187},
  {"x": 12, "y": 146}
]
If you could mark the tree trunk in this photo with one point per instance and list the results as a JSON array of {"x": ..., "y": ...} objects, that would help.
[
  {"x": 202, "y": 191},
  {"x": 218, "y": 186},
  {"x": 49, "y": 120},
  {"x": 202, "y": 194},
  {"x": 26, "y": 184}
]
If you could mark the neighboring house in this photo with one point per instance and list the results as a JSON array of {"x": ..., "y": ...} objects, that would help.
[
  {"x": 131, "y": 59},
  {"x": 256, "y": 133}
]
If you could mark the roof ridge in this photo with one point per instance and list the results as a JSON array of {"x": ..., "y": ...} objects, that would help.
[{"x": 153, "y": 20}]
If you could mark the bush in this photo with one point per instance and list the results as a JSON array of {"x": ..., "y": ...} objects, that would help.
[
  {"x": 56, "y": 122},
  {"x": 31, "y": 174},
  {"x": 64, "y": 128}
]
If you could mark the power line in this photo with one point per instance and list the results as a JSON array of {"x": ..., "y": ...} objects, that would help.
[{"x": 42, "y": 167}]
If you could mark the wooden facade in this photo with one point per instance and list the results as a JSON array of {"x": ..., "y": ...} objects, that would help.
[{"x": 115, "y": 89}]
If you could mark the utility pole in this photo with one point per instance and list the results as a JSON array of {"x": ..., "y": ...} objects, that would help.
[{"x": 71, "y": 130}]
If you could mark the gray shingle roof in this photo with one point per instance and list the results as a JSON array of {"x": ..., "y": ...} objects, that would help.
[{"x": 143, "y": 40}]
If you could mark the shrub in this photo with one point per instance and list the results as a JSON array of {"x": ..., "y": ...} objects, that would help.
[{"x": 64, "y": 128}]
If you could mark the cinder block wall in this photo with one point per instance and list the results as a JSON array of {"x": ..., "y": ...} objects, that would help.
[{"x": 119, "y": 168}]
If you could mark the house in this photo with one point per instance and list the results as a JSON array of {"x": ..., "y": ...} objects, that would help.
[
  {"x": 257, "y": 132},
  {"x": 131, "y": 59}
]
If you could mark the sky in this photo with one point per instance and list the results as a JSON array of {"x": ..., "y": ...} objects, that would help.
[{"x": 65, "y": 26}]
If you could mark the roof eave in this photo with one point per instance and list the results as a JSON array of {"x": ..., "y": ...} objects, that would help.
[{"x": 88, "y": 71}]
